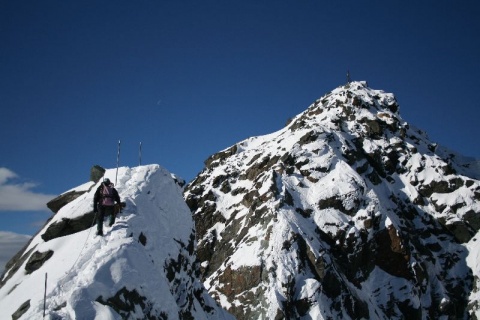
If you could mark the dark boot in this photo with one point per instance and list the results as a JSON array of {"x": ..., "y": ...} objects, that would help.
[
  {"x": 112, "y": 220},
  {"x": 100, "y": 217}
]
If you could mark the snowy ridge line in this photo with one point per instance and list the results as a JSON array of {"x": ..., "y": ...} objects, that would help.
[
  {"x": 85, "y": 243},
  {"x": 144, "y": 266}
]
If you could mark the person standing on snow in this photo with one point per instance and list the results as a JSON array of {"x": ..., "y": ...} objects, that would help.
[{"x": 104, "y": 202}]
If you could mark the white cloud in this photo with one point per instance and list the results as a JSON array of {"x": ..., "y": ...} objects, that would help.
[
  {"x": 20, "y": 196},
  {"x": 6, "y": 174},
  {"x": 10, "y": 244}
]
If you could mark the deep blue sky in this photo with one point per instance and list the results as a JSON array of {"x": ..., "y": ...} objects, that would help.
[{"x": 190, "y": 78}]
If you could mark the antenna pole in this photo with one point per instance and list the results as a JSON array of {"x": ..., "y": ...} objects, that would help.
[
  {"x": 140, "y": 155},
  {"x": 118, "y": 160},
  {"x": 45, "y": 297}
]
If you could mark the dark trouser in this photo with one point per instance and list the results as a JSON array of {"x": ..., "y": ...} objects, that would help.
[{"x": 102, "y": 212}]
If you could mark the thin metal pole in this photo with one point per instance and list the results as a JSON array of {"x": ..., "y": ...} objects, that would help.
[
  {"x": 45, "y": 297},
  {"x": 118, "y": 160},
  {"x": 140, "y": 155}
]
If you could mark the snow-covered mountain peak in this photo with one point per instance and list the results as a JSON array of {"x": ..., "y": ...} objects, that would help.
[
  {"x": 347, "y": 212},
  {"x": 143, "y": 268},
  {"x": 353, "y": 107}
]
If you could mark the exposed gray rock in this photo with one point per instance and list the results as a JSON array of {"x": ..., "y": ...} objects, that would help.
[
  {"x": 15, "y": 263},
  {"x": 21, "y": 310},
  {"x": 56, "y": 204},
  {"x": 473, "y": 219},
  {"x": 37, "y": 259},
  {"x": 460, "y": 230},
  {"x": 69, "y": 226},
  {"x": 220, "y": 156},
  {"x": 125, "y": 302},
  {"x": 96, "y": 173}
]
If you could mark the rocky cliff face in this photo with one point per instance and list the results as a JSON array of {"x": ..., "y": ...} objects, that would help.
[{"x": 346, "y": 213}]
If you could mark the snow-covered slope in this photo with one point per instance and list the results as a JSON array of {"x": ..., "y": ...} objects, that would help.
[
  {"x": 144, "y": 267},
  {"x": 346, "y": 213}
]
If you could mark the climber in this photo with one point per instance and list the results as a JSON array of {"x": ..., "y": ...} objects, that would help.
[{"x": 104, "y": 202}]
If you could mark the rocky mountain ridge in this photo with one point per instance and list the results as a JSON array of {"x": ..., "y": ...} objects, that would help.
[
  {"x": 347, "y": 212},
  {"x": 144, "y": 267}
]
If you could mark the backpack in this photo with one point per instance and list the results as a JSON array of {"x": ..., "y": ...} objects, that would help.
[{"x": 107, "y": 195}]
